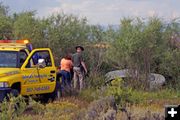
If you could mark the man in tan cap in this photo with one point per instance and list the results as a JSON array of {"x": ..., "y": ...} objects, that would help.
[{"x": 79, "y": 68}]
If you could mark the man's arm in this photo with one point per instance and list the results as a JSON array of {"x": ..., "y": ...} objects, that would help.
[
  {"x": 71, "y": 64},
  {"x": 84, "y": 66}
]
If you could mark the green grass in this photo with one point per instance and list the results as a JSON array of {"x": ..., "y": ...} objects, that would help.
[
  {"x": 138, "y": 105},
  {"x": 143, "y": 96}
]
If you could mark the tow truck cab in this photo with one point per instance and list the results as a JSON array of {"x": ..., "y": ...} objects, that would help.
[{"x": 25, "y": 71}]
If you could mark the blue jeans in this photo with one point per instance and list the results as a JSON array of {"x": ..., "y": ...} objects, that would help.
[{"x": 66, "y": 79}]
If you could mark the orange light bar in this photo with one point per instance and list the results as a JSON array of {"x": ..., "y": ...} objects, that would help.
[
  {"x": 15, "y": 41},
  {"x": 26, "y": 41},
  {"x": 22, "y": 41},
  {"x": 5, "y": 41}
]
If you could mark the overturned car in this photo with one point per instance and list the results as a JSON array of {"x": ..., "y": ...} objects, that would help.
[{"x": 154, "y": 80}]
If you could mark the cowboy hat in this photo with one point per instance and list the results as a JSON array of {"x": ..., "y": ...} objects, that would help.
[{"x": 79, "y": 47}]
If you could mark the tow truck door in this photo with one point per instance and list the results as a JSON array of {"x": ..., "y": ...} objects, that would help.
[{"x": 38, "y": 80}]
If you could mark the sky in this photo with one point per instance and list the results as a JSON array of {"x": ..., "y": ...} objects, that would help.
[{"x": 102, "y": 12}]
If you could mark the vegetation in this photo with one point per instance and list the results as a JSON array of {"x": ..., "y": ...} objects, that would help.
[
  {"x": 143, "y": 46},
  {"x": 134, "y": 105}
]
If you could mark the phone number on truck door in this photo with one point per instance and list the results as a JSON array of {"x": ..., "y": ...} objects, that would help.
[{"x": 37, "y": 89}]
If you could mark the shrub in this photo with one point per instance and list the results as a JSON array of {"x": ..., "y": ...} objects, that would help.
[
  {"x": 35, "y": 107},
  {"x": 12, "y": 108},
  {"x": 124, "y": 94},
  {"x": 95, "y": 80},
  {"x": 101, "y": 109},
  {"x": 120, "y": 93},
  {"x": 88, "y": 95}
]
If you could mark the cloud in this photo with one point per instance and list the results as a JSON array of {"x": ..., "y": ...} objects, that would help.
[
  {"x": 95, "y": 11},
  {"x": 175, "y": 15},
  {"x": 104, "y": 11},
  {"x": 152, "y": 13},
  {"x": 110, "y": 12}
]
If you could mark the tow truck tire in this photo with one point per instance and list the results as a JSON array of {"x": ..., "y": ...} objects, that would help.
[
  {"x": 56, "y": 94},
  {"x": 14, "y": 93},
  {"x": 58, "y": 90}
]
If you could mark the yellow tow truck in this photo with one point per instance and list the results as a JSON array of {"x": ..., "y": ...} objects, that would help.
[{"x": 27, "y": 71}]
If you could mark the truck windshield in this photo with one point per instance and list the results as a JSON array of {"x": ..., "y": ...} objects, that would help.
[{"x": 8, "y": 59}]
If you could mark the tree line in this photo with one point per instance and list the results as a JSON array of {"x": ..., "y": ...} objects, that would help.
[{"x": 146, "y": 46}]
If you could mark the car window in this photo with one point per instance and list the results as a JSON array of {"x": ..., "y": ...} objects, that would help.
[
  {"x": 22, "y": 57},
  {"x": 40, "y": 55},
  {"x": 8, "y": 59}
]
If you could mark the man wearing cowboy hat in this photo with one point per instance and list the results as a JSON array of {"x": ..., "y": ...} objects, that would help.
[{"x": 79, "y": 68}]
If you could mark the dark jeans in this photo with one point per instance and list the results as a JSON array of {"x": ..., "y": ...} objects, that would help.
[{"x": 66, "y": 79}]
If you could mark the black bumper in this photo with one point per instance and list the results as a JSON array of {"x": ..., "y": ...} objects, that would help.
[{"x": 4, "y": 92}]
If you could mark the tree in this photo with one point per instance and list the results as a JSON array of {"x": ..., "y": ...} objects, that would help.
[
  {"x": 5, "y": 23},
  {"x": 142, "y": 47},
  {"x": 3, "y": 10}
]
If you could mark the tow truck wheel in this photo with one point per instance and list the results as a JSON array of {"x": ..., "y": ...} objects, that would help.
[
  {"x": 56, "y": 94},
  {"x": 58, "y": 91},
  {"x": 14, "y": 92}
]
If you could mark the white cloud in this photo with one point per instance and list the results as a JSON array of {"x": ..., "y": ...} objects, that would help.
[
  {"x": 110, "y": 12},
  {"x": 152, "y": 13},
  {"x": 175, "y": 15}
]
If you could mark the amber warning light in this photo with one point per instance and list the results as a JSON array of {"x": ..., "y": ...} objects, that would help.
[{"x": 15, "y": 41}]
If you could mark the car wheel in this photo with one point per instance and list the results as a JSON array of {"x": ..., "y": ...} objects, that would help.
[
  {"x": 56, "y": 94},
  {"x": 14, "y": 93}
]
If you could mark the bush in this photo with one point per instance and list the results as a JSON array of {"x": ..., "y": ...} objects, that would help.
[
  {"x": 95, "y": 80},
  {"x": 120, "y": 93},
  {"x": 12, "y": 108},
  {"x": 102, "y": 108},
  {"x": 146, "y": 47},
  {"x": 123, "y": 94}
]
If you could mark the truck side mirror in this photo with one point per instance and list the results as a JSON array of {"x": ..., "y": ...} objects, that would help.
[{"x": 41, "y": 63}]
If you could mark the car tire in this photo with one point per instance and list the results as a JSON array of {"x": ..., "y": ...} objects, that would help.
[
  {"x": 14, "y": 93},
  {"x": 56, "y": 94}
]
